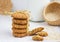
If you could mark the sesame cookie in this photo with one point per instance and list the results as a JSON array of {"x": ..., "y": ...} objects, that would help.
[
  {"x": 37, "y": 38},
  {"x": 19, "y": 35},
  {"x": 19, "y": 26},
  {"x": 42, "y": 33},
  {"x": 20, "y": 21},
  {"x": 20, "y": 15},
  {"x": 19, "y": 30},
  {"x": 34, "y": 31}
]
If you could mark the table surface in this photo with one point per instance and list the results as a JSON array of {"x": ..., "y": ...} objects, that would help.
[{"x": 6, "y": 32}]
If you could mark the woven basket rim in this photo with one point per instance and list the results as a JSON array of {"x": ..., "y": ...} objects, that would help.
[{"x": 46, "y": 8}]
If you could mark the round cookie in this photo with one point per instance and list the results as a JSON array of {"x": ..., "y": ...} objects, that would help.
[
  {"x": 19, "y": 35},
  {"x": 20, "y": 15},
  {"x": 20, "y": 21},
  {"x": 19, "y": 30},
  {"x": 19, "y": 26}
]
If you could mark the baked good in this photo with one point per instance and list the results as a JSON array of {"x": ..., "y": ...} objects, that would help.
[
  {"x": 19, "y": 30},
  {"x": 21, "y": 15},
  {"x": 34, "y": 31},
  {"x": 19, "y": 26},
  {"x": 37, "y": 38},
  {"x": 20, "y": 21},
  {"x": 19, "y": 35},
  {"x": 42, "y": 33}
]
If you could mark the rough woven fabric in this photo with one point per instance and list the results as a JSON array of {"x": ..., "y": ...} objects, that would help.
[{"x": 5, "y": 5}]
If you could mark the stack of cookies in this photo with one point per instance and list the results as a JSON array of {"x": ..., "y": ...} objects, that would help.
[{"x": 20, "y": 23}]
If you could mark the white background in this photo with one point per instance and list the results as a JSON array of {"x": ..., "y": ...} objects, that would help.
[{"x": 19, "y": 4}]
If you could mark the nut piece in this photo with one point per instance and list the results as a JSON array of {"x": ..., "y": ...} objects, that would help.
[
  {"x": 34, "y": 31},
  {"x": 37, "y": 38},
  {"x": 42, "y": 33}
]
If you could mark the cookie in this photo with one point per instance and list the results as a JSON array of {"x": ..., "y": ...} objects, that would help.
[
  {"x": 37, "y": 38},
  {"x": 42, "y": 33},
  {"x": 20, "y": 15},
  {"x": 34, "y": 31},
  {"x": 19, "y": 30},
  {"x": 5, "y": 5},
  {"x": 19, "y": 26},
  {"x": 20, "y": 21},
  {"x": 19, "y": 35}
]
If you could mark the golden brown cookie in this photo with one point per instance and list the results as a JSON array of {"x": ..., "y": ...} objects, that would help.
[
  {"x": 20, "y": 21},
  {"x": 19, "y": 35},
  {"x": 19, "y": 26},
  {"x": 20, "y": 15},
  {"x": 42, "y": 33},
  {"x": 5, "y": 5},
  {"x": 19, "y": 30},
  {"x": 34, "y": 31},
  {"x": 37, "y": 38}
]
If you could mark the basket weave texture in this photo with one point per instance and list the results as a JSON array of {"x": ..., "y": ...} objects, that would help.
[{"x": 52, "y": 8}]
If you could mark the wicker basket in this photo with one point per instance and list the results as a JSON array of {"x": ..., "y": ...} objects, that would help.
[
  {"x": 5, "y": 5},
  {"x": 54, "y": 9}
]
